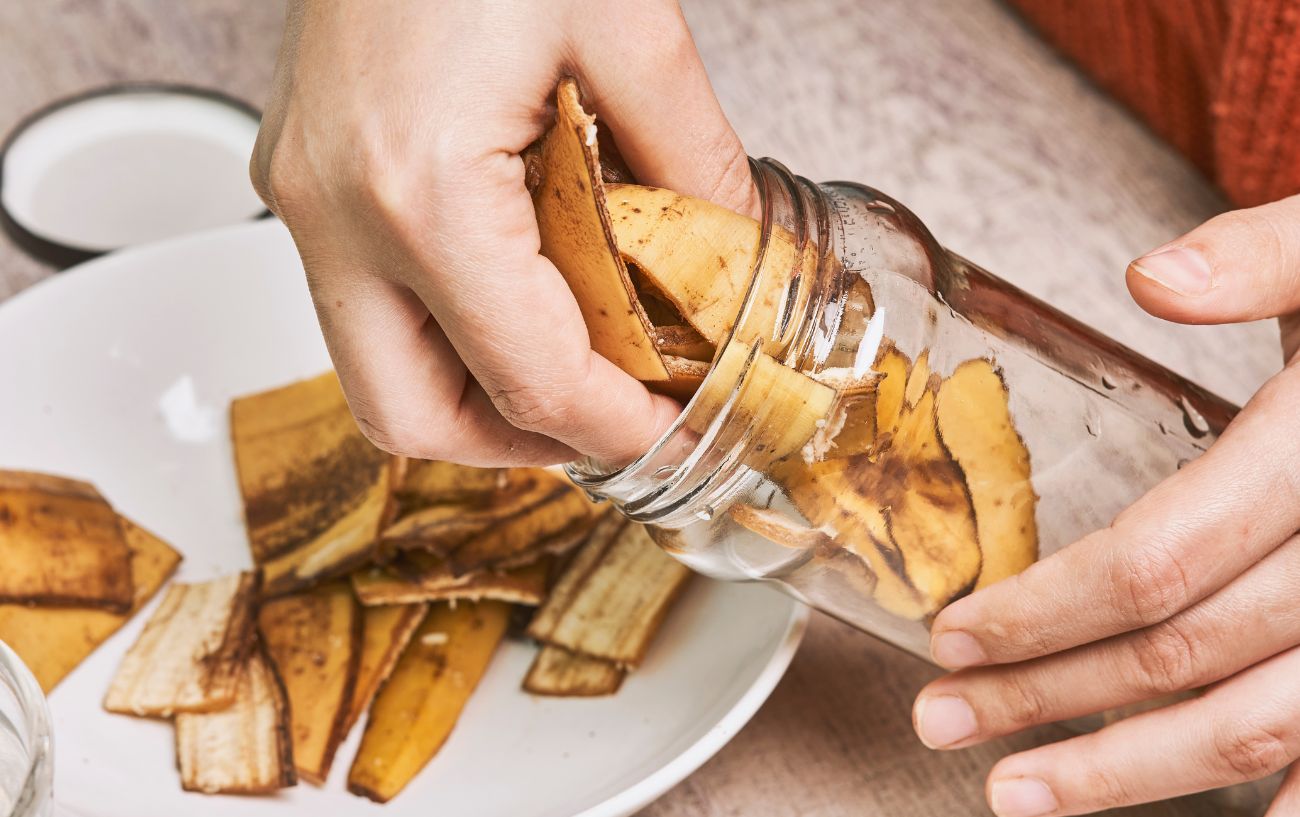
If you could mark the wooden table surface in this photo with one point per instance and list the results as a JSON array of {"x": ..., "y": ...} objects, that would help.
[{"x": 952, "y": 106}]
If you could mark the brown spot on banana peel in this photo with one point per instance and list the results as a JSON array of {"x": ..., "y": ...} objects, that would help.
[{"x": 905, "y": 508}]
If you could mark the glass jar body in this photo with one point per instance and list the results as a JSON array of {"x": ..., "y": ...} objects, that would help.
[
  {"x": 25, "y": 754},
  {"x": 953, "y": 429}
]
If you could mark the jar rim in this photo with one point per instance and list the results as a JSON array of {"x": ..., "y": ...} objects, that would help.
[{"x": 785, "y": 201}]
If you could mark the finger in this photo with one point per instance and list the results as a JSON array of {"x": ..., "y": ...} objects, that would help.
[
  {"x": 409, "y": 392},
  {"x": 1199, "y": 646},
  {"x": 1244, "y": 729},
  {"x": 513, "y": 320},
  {"x": 1286, "y": 803},
  {"x": 1184, "y": 539},
  {"x": 1240, "y": 266},
  {"x": 647, "y": 81}
]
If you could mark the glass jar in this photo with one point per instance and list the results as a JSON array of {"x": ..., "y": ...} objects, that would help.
[
  {"x": 26, "y": 772},
  {"x": 890, "y": 427}
]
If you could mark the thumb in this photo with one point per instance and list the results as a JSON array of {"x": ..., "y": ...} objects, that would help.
[
  {"x": 646, "y": 80},
  {"x": 1240, "y": 266}
]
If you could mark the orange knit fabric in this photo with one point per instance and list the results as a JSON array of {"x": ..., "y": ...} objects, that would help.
[{"x": 1219, "y": 79}]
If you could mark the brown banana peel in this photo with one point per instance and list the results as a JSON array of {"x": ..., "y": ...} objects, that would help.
[
  {"x": 315, "y": 489},
  {"x": 574, "y": 225},
  {"x": 702, "y": 257},
  {"x": 314, "y": 639},
  {"x": 192, "y": 652},
  {"x": 557, "y": 672},
  {"x": 61, "y": 544},
  {"x": 385, "y": 633},
  {"x": 53, "y": 641},
  {"x": 245, "y": 747}
]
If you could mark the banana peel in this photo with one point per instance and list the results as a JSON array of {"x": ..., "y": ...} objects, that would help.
[
  {"x": 53, "y": 641},
  {"x": 557, "y": 672},
  {"x": 315, "y": 490},
  {"x": 418, "y": 706},
  {"x": 426, "y": 483},
  {"x": 781, "y": 408},
  {"x": 903, "y": 506},
  {"x": 615, "y": 606},
  {"x": 681, "y": 341},
  {"x": 779, "y": 528},
  {"x": 537, "y": 513},
  {"x": 192, "y": 652},
  {"x": 386, "y": 631},
  {"x": 244, "y": 748},
  {"x": 702, "y": 257},
  {"x": 574, "y": 225},
  {"x": 61, "y": 544},
  {"x": 314, "y": 639},
  {"x": 975, "y": 423},
  {"x": 422, "y": 577},
  {"x": 685, "y": 378}
]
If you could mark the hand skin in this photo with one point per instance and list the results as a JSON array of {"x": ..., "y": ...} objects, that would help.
[
  {"x": 1194, "y": 585},
  {"x": 390, "y": 148}
]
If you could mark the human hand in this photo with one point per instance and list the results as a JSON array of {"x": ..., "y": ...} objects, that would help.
[
  {"x": 390, "y": 149},
  {"x": 1195, "y": 584}
]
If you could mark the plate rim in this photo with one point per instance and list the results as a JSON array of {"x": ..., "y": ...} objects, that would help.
[
  {"x": 651, "y": 786},
  {"x": 659, "y": 782}
]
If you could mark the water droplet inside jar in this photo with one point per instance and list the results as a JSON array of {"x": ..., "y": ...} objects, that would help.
[
  {"x": 878, "y": 206},
  {"x": 706, "y": 513},
  {"x": 1193, "y": 419},
  {"x": 1182, "y": 463},
  {"x": 1107, "y": 382},
  {"x": 1164, "y": 429}
]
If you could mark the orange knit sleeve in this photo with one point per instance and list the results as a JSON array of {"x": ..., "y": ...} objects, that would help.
[{"x": 1218, "y": 79}]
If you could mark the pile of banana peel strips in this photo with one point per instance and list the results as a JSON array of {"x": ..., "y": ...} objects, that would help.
[
  {"x": 379, "y": 585},
  {"x": 383, "y": 586}
]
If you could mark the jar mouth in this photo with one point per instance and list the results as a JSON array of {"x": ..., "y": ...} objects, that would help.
[
  {"x": 687, "y": 463},
  {"x": 32, "y": 731}
]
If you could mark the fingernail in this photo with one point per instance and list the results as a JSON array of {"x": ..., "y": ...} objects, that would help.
[
  {"x": 943, "y": 720},
  {"x": 1022, "y": 797},
  {"x": 1180, "y": 269},
  {"x": 955, "y": 649}
]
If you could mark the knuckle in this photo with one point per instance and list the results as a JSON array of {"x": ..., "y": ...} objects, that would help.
[
  {"x": 1166, "y": 659},
  {"x": 283, "y": 179},
  {"x": 1023, "y": 703},
  {"x": 1251, "y": 751},
  {"x": 1259, "y": 229},
  {"x": 546, "y": 409},
  {"x": 259, "y": 173},
  {"x": 1108, "y": 789},
  {"x": 395, "y": 432},
  {"x": 734, "y": 185},
  {"x": 391, "y": 438},
  {"x": 1150, "y": 585}
]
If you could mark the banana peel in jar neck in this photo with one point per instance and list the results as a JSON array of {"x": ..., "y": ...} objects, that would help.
[{"x": 921, "y": 477}]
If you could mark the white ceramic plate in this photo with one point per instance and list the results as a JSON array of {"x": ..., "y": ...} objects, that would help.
[{"x": 120, "y": 372}]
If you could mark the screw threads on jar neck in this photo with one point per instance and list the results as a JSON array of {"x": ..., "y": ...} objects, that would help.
[{"x": 700, "y": 461}]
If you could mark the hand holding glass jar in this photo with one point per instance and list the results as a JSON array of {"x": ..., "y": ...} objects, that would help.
[
  {"x": 1192, "y": 585},
  {"x": 996, "y": 431}
]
